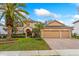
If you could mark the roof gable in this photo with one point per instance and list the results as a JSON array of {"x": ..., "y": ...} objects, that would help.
[{"x": 55, "y": 23}]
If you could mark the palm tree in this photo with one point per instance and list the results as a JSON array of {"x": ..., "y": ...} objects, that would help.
[
  {"x": 38, "y": 28},
  {"x": 12, "y": 12},
  {"x": 39, "y": 25}
]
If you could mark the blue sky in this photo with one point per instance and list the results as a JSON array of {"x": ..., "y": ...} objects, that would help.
[{"x": 64, "y": 12}]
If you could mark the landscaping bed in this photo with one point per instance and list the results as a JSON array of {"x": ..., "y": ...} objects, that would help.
[
  {"x": 18, "y": 35},
  {"x": 23, "y": 44},
  {"x": 4, "y": 41}
]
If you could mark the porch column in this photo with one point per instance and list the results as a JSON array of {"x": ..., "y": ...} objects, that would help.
[{"x": 26, "y": 35}]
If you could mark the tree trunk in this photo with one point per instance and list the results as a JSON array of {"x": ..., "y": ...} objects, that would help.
[
  {"x": 9, "y": 30},
  {"x": 9, "y": 24}
]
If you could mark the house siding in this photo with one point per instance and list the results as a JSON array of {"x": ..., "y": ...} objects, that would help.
[
  {"x": 76, "y": 28},
  {"x": 2, "y": 31}
]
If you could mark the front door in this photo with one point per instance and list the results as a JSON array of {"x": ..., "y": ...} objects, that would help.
[{"x": 29, "y": 33}]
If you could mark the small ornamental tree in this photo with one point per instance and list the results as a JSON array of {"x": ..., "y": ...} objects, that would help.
[{"x": 37, "y": 29}]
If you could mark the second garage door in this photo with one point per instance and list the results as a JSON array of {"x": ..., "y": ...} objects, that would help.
[{"x": 65, "y": 34}]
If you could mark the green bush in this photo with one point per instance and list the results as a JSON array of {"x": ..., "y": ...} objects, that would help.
[
  {"x": 38, "y": 38},
  {"x": 13, "y": 36},
  {"x": 36, "y": 33},
  {"x": 3, "y": 36},
  {"x": 75, "y": 36},
  {"x": 18, "y": 35}
]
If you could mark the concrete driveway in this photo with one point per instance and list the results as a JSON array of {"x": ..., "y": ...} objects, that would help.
[{"x": 62, "y": 43}]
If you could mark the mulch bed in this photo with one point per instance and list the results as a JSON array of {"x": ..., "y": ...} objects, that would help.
[{"x": 7, "y": 41}]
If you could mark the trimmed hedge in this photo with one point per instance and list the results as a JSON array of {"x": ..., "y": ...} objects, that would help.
[
  {"x": 18, "y": 35},
  {"x": 14, "y": 36},
  {"x": 36, "y": 33},
  {"x": 75, "y": 36},
  {"x": 3, "y": 36},
  {"x": 38, "y": 38}
]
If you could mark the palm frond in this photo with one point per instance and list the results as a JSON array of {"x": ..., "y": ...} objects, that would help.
[
  {"x": 21, "y": 10},
  {"x": 18, "y": 18},
  {"x": 20, "y": 14},
  {"x": 22, "y": 4}
]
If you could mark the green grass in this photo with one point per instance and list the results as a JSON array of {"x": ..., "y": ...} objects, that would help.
[{"x": 22, "y": 44}]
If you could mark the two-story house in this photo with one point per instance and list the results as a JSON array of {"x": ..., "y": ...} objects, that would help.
[
  {"x": 76, "y": 27},
  {"x": 27, "y": 25}
]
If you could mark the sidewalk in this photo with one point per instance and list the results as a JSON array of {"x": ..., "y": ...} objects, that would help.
[{"x": 67, "y": 52}]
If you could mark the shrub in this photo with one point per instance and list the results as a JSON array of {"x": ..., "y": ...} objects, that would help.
[
  {"x": 18, "y": 35},
  {"x": 36, "y": 33},
  {"x": 3, "y": 36},
  {"x": 75, "y": 36},
  {"x": 39, "y": 38},
  {"x": 29, "y": 33},
  {"x": 13, "y": 36}
]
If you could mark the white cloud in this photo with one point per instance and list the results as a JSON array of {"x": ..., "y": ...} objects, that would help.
[
  {"x": 61, "y": 21},
  {"x": 44, "y": 12},
  {"x": 47, "y": 13},
  {"x": 75, "y": 17},
  {"x": 72, "y": 19},
  {"x": 68, "y": 16},
  {"x": 55, "y": 15}
]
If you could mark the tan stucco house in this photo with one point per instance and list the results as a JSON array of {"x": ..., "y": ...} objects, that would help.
[
  {"x": 27, "y": 25},
  {"x": 56, "y": 29}
]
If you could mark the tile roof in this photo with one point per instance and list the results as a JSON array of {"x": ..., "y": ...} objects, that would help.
[{"x": 62, "y": 26}]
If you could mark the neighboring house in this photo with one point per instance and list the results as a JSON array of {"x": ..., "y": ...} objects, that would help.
[
  {"x": 56, "y": 29},
  {"x": 76, "y": 27},
  {"x": 2, "y": 29}
]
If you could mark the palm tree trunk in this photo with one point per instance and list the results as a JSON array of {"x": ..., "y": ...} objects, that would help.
[
  {"x": 9, "y": 30},
  {"x": 9, "y": 24}
]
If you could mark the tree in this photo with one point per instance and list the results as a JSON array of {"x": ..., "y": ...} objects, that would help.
[
  {"x": 39, "y": 25},
  {"x": 38, "y": 28},
  {"x": 10, "y": 13}
]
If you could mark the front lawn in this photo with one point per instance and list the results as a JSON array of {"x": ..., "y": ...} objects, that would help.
[{"x": 22, "y": 44}]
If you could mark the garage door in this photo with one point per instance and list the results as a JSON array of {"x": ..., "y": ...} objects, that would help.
[
  {"x": 51, "y": 34},
  {"x": 65, "y": 34},
  {"x": 55, "y": 34}
]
